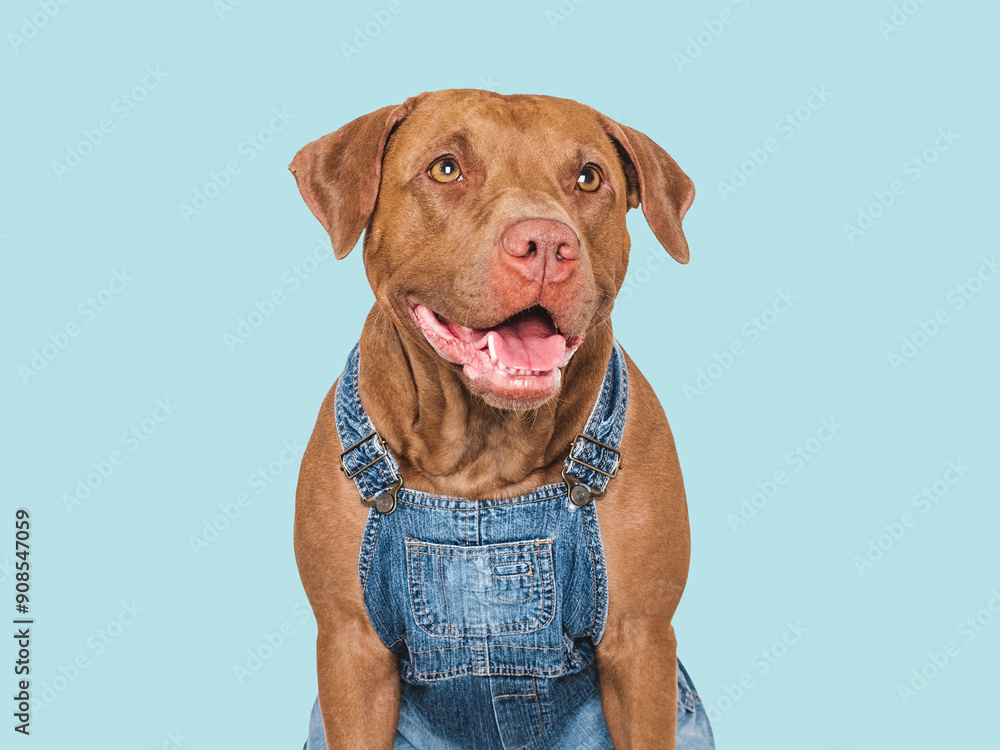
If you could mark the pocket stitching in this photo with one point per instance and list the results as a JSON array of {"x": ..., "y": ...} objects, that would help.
[
  {"x": 422, "y": 613},
  {"x": 513, "y": 575},
  {"x": 529, "y": 575},
  {"x": 687, "y": 698}
]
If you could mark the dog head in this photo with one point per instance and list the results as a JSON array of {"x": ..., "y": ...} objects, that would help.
[{"x": 494, "y": 225}]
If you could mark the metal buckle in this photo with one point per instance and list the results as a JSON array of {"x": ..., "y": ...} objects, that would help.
[
  {"x": 579, "y": 493},
  {"x": 385, "y": 502},
  {"x": 609, "y": 474},
  {"x": 362, "y": 441}
]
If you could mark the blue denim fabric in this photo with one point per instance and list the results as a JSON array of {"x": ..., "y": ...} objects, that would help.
[{"x": 494, "y": 606}]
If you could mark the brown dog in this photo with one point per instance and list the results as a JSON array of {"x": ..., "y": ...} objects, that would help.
[{"x": 495, "y": 242}]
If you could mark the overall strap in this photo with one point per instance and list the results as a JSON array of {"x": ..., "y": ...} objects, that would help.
[
  {"x": 594, "y": 458},
  {"x": 366, "y": 459}
]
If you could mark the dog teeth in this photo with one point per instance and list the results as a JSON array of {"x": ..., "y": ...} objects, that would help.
[
  {"x": 464, "y": 329},
  {"x": 514, "y": 371},
  {"x": 493, "y": 351}
]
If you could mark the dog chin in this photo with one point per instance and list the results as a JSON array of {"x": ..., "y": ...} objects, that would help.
[
  {"x": 516, "y": 392},
  {"x": 534, "y": 349}
]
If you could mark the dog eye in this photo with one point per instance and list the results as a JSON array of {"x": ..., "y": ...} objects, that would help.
[
  {"x": 445, "y": 170},
  {"x": 589, "y": 179}
]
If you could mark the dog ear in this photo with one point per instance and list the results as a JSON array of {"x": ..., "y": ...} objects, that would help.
[
  {"x": 339, "y": 174},
  {"x": 657, "y": 183}
]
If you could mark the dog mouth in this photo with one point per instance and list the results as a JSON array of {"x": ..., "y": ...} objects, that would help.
[{"x": 518, "y": 359}]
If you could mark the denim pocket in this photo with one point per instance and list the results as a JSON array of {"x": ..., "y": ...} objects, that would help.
[
  {"x": 513, "y": 582},
  {"x": 694, "y": 732},
  {"x": 687, "y": 698},
  {"x": 485, "y": 590}
]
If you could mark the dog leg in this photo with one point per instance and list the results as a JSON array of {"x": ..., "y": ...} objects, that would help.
[
  {"x": 358, "y": 688},
  {"x": 637, "y": 668}
]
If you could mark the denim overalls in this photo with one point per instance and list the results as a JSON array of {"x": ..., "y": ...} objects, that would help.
[{"x": 494, "y": 606}]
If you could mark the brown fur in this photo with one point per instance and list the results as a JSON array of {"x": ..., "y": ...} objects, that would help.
[{"x": 520, "y": 156}]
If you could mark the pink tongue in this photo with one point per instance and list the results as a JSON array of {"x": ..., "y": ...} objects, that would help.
[{"x": 528, "y": 342}]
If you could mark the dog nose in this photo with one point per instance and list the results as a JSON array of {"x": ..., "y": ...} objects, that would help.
[{"x": 542, "y": 249}]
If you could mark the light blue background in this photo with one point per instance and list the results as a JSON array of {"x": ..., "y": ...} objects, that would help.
[{"x": 826, "y": 357}]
